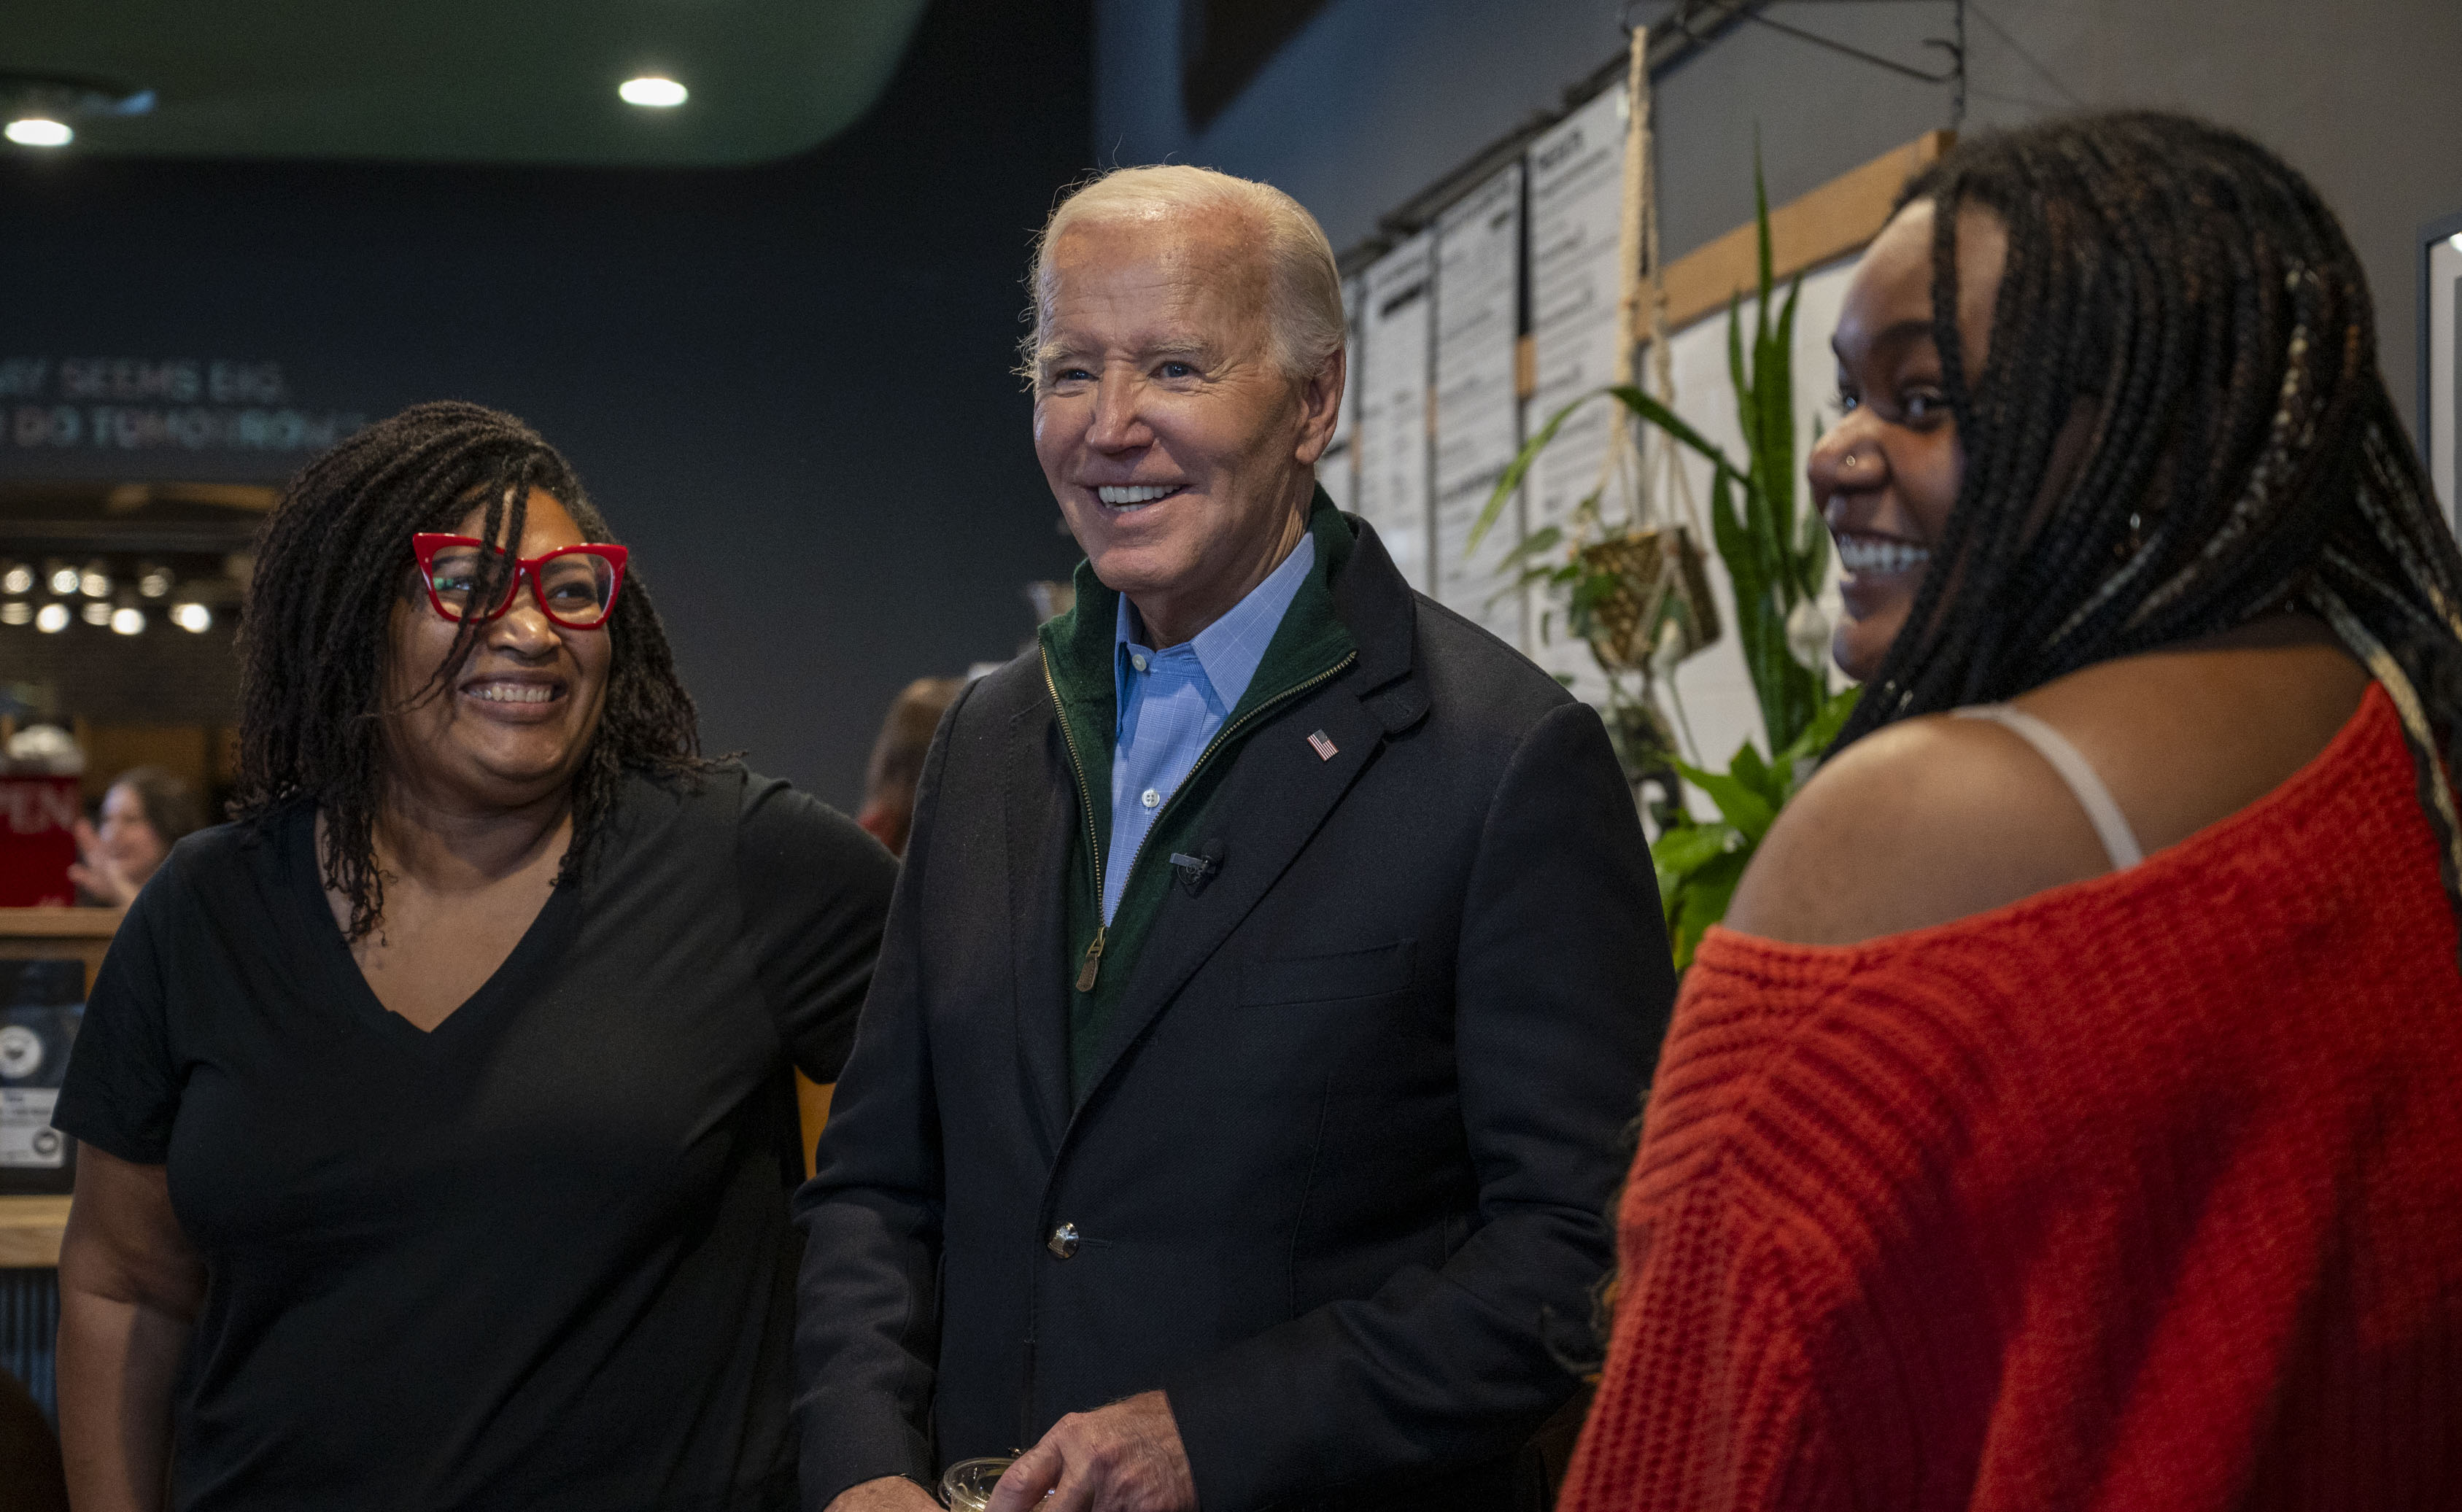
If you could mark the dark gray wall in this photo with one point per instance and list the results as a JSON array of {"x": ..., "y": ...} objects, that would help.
[
  {"x": 787, "y": 386},
  {"x": 1379, "y": 97}
]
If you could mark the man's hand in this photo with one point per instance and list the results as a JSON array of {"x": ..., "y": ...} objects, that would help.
[
  {"x": 1125, "y": 1458},
  {"x": 888, "y": 1494}
]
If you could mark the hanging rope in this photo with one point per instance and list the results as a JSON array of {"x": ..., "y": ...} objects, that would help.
[
  {"x": 1622, "y": 460},
  {"x": 1630, "y": 245},
  {"x": 1674, "y": 482},
  {"x": 1642, "y": 306}
]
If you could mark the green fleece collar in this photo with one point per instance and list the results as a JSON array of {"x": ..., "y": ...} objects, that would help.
[{"x": 1078, "y": 646}]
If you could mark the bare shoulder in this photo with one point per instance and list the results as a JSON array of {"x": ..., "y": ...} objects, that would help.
[
  {"x": 2184, "y": 738},
  {"x": 1917, "y": 824},
  {"x": 1939, "y": 819}
]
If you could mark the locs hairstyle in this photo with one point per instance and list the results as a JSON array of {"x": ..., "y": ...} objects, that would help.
[
  {"x": 332, "y": 562},
  {"x": 2190, "y": 290}
]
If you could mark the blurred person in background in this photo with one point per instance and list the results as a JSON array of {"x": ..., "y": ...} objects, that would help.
[
  {"x": 896, "y": 765},
  {"x": 147, "y": 810},
  {"x": 436, "y": 1119}
]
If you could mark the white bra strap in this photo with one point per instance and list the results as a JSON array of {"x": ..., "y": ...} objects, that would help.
[{"x": 2119, "y": 841}]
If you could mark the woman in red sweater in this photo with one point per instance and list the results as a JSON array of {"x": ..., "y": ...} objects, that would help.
[{"x": 2067, "y": 1116}]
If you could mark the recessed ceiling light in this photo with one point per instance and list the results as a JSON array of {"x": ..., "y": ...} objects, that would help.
[
  {"x": 52, "y": 618},
  {"x": 16, "y": 612},
  {"x": 658, "y": 94},
  {"x": 39, "y": 131},
  {"x": 96, "y": 612},
  {"x": 129, "y": 621},
  {"x": 194, "y": 619}
]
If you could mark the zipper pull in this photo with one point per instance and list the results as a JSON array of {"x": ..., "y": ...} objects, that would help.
[{"x": 1094, "y": 966}]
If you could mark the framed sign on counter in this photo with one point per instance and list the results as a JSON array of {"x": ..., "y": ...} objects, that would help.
[
  {"x": 48, "y": 959},
  {"x": 2440, "y": 360}
]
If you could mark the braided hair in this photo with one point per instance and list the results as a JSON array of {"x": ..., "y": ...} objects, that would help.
[
  {"x": 334, "y": 559},
  {"x": 2193, "y": 292}
]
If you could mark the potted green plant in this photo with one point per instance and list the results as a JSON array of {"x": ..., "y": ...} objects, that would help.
[{"x": 1618, "y": 598}]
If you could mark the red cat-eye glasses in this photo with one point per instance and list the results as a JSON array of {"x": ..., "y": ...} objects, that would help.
[{"x": 574, "y": 585}]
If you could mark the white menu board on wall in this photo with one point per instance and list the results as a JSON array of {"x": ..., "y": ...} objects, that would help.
[
  {"x": 1576, "y": 215},
  {"x": 1478, "y": 423},
  {"x": 1336, "y": 471},
  {"x": 1396, "y": 326}
]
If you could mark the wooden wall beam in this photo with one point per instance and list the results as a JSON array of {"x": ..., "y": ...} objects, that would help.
[{"x": 1832, "y": 221}]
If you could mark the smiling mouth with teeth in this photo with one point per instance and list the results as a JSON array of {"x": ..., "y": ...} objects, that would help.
[
  {"x": 1135, "y": 496},
  {"x": 1872, "y": 555},
  {"x": 514, "y": 692}
]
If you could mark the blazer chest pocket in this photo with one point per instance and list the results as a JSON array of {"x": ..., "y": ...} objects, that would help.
[{"x": 1365, "y": 973}]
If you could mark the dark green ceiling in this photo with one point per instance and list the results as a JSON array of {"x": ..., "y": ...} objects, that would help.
[{"x": 509, "y": 81}]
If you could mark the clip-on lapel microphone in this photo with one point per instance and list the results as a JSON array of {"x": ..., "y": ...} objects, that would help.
[{"x": 1196, "y": 871}]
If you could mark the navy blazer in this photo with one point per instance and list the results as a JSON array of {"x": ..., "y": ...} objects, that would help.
[{"x": 1340, "y": 1182}]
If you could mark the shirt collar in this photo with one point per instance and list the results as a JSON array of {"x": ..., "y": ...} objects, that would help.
[{"x": 1229, "y": 650}]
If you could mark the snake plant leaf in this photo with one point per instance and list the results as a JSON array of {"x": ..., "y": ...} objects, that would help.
[
  {"x": 1769, "y": 556},
  {"x": 1762, "y": 221},
  {"x": 1667, "y": 420},
  {"x": 1774, "y": 389},
  {"x": 1745, "y": 413},
  {"x": 1735, "y": 543},
  {"x": 1772, "y": 414}
]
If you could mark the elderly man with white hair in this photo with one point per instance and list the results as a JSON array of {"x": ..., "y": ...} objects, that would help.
[{"x": 1276, "y": 969}]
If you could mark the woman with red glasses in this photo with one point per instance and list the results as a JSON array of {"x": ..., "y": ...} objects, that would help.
[{"x": 437, "y": 1119}]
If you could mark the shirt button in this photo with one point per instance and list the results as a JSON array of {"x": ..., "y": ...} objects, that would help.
[
  {"x": 1063, "y": 1241},
  {"x": 1138, "y": 663},
  {"x": 1150, "y": 798}
]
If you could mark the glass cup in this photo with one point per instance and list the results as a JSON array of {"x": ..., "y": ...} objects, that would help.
[{"x": 967, "y": 1486}]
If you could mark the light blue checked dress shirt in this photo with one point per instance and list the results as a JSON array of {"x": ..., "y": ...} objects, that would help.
[{"x": 1172, "y": 701}]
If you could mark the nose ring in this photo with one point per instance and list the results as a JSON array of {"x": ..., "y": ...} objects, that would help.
[{"x": 1849, "y": 461}]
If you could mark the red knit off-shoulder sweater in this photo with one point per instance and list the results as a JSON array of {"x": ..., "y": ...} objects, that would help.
[{"x": 2142, "y": 1193}]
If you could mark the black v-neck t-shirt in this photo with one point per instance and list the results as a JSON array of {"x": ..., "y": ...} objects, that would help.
[{"x": 538, "y": 1258}]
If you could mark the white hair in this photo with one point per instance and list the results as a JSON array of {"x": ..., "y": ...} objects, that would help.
[{"x": 1304, "y": 288}]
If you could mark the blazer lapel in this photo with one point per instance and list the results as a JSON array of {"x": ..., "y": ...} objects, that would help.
[
  {"x": 1041, "y": 810},
  {"x": 1280, "y": 787}
]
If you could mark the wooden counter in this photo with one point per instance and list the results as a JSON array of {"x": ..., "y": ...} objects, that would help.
[
  {"x": 33, "y": 933},
  {"x": 30, "y": 1230}
]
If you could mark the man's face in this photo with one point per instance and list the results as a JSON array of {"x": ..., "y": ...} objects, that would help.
[{"x": 1182, "y": 456}]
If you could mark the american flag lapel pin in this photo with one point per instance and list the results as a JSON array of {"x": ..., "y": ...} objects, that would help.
[{"x": 1326, "y": 749}]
